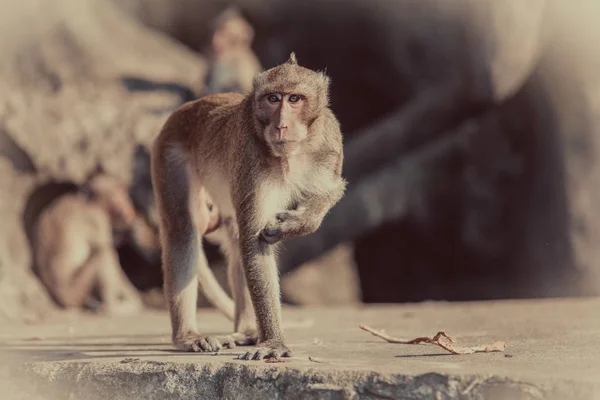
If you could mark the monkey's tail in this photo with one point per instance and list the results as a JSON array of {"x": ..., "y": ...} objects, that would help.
[{"x": 213, "y": 291}]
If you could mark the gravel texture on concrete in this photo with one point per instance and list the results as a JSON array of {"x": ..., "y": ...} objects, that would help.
[{"x": 552, "y": 352}]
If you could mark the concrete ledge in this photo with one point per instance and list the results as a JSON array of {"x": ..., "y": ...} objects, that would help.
[{"x": 553, "y": 349}]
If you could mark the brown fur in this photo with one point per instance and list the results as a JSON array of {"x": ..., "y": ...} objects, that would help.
[
  {"x": 74, "y": 249},
  {"x": 272, "y": 161}
]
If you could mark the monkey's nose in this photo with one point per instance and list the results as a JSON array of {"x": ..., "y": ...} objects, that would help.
[{"x": 281, "y": 130}]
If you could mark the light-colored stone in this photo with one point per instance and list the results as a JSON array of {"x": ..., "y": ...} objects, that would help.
[{"x": 552, "y": 353}]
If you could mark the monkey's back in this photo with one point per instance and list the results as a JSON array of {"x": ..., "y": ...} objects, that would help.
[
  {"x": 67, "y": 231},
  {"x": 209, "y": 123}
]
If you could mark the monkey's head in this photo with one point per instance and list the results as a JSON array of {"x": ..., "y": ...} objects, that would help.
[
  {"x": 214, "y": 216},
  {"x": 286, "y": 101},
  {"x": 231, "y": 31},
  {"x": 208, "y": 218},
  {"x": 112, "y": 195}
]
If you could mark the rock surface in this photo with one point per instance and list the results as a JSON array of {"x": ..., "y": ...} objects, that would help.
[
  {"x": 551, "y": 353},
  {"x": 64, "y": 112}
]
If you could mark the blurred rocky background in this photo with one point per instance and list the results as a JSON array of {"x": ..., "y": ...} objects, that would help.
[{"x": 471, "y": 136}]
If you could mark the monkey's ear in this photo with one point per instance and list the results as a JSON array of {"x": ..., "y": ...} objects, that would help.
[{"x": 292, "y": 59}]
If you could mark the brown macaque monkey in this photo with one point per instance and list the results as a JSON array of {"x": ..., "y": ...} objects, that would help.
[
  {"x": 74, "y": 247},
  {"x": 272, "y": 161},
  {"x": 233, "y": 64}
]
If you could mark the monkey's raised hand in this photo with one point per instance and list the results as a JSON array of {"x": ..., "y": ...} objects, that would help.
[
  {"x": 305, "y": 218},
  {"x": 286, "y": 225}
]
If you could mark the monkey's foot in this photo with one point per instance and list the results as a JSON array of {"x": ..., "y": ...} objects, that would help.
[
  {"x": 246, "y": 338},
  {"x": 267, "y": 349},
  {"x": 196, "y": 343}
]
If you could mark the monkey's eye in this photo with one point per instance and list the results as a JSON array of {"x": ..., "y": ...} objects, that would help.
[
  {"x": 210, "y": 208},
  {"x": 294, "y": 98},
  {"x": 273, "y": 98}
]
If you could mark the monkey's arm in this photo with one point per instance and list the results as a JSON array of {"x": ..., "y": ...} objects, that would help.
[
  {"x": 306, "y": 217},
  {"x": 144, "y": 240},
  {"x": 260, "y": 268},
  {"x": 313, "y": 205}
]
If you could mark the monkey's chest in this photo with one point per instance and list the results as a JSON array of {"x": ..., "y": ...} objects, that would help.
[
  {"x": 277, "y": 195},
  {"x": 274, "y": 194}
]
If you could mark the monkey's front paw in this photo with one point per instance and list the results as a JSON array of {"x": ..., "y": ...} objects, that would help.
[
  {"x": 267, "y": 349},
  {"x": 272, "y": 234},
  {"x": 196, "y": 343},
  {"x": 283, "y": 224}
]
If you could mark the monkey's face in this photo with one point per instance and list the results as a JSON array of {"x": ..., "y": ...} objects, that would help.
[
  {"x": 286, "y": 123},
  {"x": 221, "y": 42},
  {"x": 121, "y": 210},
  {"x": 232, "y": 34},
  {"x": 214, "y": 217},
  {"x": 207, "y": 216},
  {"x": 288, "y": 99},
  {"x": 113, "y": 196}
]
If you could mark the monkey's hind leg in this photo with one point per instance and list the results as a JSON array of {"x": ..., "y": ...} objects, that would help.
[{"x": 182, "y": 250}]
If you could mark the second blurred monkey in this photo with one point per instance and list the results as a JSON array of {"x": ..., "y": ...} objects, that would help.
[
  {"x": 75, "y": 251},
  {"x": 233, "y": 64}
]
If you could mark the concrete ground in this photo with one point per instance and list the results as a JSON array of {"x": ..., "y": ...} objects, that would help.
[{"x": 552, "y": 352}]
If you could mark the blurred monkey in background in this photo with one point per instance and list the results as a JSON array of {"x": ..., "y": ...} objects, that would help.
[
  {"x": 232, "y": 62},
  {"x": 74, "y": 245}
]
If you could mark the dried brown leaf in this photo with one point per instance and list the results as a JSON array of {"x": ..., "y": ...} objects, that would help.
[{"x": 441, "y": 339}]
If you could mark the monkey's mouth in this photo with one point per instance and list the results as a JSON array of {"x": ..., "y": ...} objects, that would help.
[
  {"x": 284, "y": 147},
  {"x": 284, "y": 144}
]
